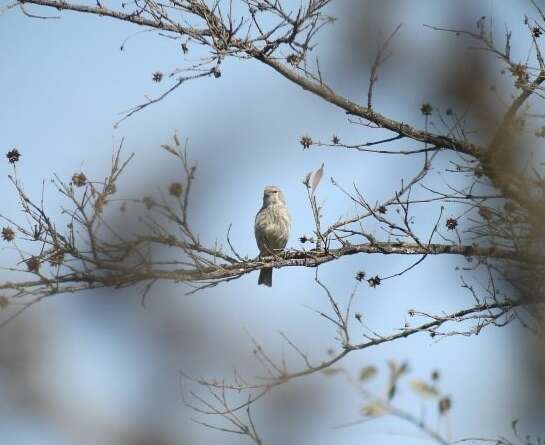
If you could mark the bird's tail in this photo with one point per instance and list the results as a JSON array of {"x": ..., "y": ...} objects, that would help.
[{"x": 265, "y": 276}]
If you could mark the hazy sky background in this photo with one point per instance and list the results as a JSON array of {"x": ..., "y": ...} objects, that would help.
[{"x": 86, "y": 368}]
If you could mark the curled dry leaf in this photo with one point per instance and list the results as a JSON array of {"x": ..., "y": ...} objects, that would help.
[{"x": 316, "y": 178}]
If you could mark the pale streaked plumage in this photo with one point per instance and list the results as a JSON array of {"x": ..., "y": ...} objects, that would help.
[{"x": 272, "y": 228}]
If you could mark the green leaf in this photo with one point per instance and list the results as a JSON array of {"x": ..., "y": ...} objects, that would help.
[
  {"x": 331, "y": 371},
  {"x": 368, "y": 373},
  {"x": 423, "y": 389},
  {"x": 373, "y": 410},
  {"x": 392, "y": 391}
]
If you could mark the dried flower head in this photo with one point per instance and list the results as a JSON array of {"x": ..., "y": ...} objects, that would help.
[
  {"x": 426, "y": 109},
  {"x": 157, "y": 76},
  {"x": 382, "y": 209},
  {"x": 451, "y": 224},
  {"x": 148, "y": 202},
  {"x": 110, "y": 189},
  {"x": 79, "y": 179},
  {"x": 56, "y": 258},
  {"x": 13, "y": 156},
  {"x": 293, "y": 59},
  {"x": 536, "y": 32},
  {"x": 444, "y": 405},
  {"x": 99, "y": 204},
  {"x": 520, "y": 73},
  {"x": 33, "y": 264},
  {"x": 8, "y": 234},
  {"x": 306, "y": 141},
  {"x": 360, "y": 275},
  {"x": 335, "y": 139},
  {"x": 176, "y": 189},
  {"x": 374, "y": 281},
  {"x": 185, "y": 48},
  {"x": 216, "y": 72}
]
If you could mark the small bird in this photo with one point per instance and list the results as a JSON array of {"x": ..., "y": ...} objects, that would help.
[{"x": 272, "y": 228}]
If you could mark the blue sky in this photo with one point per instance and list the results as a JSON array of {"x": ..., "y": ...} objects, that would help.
[{"x": 104, "y": 362}]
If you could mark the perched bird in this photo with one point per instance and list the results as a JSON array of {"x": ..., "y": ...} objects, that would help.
[{"x": 272, "y": 228}]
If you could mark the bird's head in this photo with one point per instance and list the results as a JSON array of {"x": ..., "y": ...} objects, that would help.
[{"x": 273, "y": 195}]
